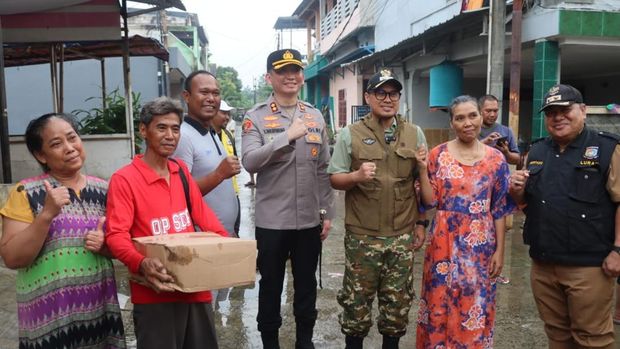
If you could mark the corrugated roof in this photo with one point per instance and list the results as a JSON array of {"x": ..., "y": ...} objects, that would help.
[{"x": 39, "y": 53}]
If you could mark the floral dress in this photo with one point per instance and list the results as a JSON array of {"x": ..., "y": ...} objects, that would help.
[{"x": 457, "y": 305}]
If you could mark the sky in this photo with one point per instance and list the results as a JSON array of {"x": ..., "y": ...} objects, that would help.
[{"x": 241, "y": 33}]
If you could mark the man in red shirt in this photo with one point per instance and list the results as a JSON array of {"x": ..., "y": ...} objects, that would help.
[{"x": 147, "y": 198}]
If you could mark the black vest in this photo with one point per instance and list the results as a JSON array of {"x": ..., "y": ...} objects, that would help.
[{"x": 570, "y": 215}]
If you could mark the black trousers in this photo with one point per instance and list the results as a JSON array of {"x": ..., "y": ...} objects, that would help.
[
  {"x": 174, "y": 326},
  {"x": 274, "y": 248}
]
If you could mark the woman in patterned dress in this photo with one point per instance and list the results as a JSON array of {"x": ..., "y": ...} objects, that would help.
[
  {"x": 52, "y": 234},
  {"x": 467, "y": 182}
]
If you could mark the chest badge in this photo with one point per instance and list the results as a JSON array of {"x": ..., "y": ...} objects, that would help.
[
  {"x": 313, "y": 138},
  {"x": 369, "y": 141},
  {"x": 270, "y": 118},
  {"x": 591, "y": 152}
]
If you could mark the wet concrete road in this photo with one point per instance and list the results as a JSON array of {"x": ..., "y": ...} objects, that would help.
[{"x": 517, "y": 324}]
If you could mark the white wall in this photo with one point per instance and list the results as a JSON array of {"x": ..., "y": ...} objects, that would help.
[
  {"x": 342, "y": 30},
  {"x": 352, "y": 84},
  {"x": 104, "y": 155}
]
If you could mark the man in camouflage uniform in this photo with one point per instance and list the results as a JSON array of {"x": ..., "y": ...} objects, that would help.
[
  {"x": 285, "y": 143},
  {"x": 375, "y": 162}
]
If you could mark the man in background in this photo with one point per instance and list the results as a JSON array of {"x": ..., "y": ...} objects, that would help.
[
  {"x": 219, "y": 125},
  {"x": 495, "y": 134},
  {"x": 203, "y": 151}
]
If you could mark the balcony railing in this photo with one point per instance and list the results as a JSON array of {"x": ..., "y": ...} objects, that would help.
[{"x": 338, "y": 14}]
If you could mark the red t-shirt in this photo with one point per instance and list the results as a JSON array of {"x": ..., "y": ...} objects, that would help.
[{"x": 141, "y": 203}]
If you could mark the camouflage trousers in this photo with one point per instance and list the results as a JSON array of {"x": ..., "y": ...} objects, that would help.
[{"x": 381, "y": 266}]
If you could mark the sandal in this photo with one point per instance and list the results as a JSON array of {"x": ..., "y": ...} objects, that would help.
[{"x": 502, "y": 280}]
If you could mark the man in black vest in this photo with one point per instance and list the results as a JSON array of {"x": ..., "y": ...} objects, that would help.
[{"x": 569, "y": 193}]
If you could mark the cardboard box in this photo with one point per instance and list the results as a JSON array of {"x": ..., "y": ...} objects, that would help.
[{"x": 202, "y": 261}]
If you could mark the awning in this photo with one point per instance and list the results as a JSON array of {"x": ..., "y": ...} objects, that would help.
[
  {"x": 81, "y": 21},
  {"x": 312, "y": 70},
  {"x": 39, "y": 53},
  {"x": 289, "y": 22},
  {"x": 10, "y": 7},
  {"x": 355, "y": 54},
  {"x": 163, "y": 3}
]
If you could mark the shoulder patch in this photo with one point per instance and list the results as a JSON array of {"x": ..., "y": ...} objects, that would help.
[{"x": 247, "y": 125}]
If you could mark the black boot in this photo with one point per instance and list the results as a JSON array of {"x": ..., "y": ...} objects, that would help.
[
  {"x": 270, "y": 339},
  {"x": 304, "y": 337},
  {"x": 390, "y": 342},
  {"x": 352, "y": 342}
]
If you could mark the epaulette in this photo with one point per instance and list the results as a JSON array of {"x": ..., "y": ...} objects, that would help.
[
  {"x": 613, "y": 136},
  {"x": 257, "y": 106},
  {"x": 308, "y": 104}
]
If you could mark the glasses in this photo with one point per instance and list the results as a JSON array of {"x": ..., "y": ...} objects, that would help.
[{"x": 381, "y": 94}]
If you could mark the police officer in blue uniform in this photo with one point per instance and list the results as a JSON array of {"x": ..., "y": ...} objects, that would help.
[{"x": 569, "y": 193}]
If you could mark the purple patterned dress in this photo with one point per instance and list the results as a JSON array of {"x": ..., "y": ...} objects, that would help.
[{"x": 67, "y": 297}]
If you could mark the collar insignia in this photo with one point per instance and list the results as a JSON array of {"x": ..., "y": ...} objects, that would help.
[{"x": 274, "y": 107}]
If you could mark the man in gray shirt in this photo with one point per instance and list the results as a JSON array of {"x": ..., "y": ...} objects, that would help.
[
  {"x": 202, "y": 150},
  {"x": 285, "y": 143}
]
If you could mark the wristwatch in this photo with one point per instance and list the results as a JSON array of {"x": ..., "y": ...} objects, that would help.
[
  {"x": 616, "y": 249},
  {"x": 425, "y": 224}
]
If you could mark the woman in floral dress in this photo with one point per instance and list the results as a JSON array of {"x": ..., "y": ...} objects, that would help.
[{"x": 467, "y": 182}]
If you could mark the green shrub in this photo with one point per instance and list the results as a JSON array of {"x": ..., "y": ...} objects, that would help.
[{"x": 112, "y": 119}]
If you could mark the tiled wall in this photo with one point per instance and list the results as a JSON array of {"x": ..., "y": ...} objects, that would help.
[
  {"x": 546, "y": 74},
  {"x": 589, "y": 23},
  {"x": 572, "y": 23}
]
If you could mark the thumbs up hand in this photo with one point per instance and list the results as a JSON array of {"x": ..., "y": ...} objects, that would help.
[
  {"x": 55, "y": 199},
  {"x": 94, "y": 239}
]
